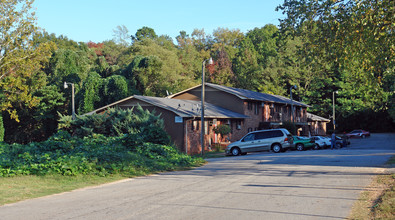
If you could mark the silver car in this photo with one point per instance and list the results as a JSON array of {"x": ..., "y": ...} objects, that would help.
[{"x": 276, "y": 140}]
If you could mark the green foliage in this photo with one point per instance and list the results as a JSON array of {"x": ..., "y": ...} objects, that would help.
[
  {"x": 352, "y": 44},
  {"x": 1, "y": 129},
  {"x": 36, "y": 123},
  {"x": 89, "y": 96},
  {"x": 143, "y": 33},
  {"x": 136, "y": 123},
  {"x": 69, "y": 65},
  {"x": 113, "y": 88},
  {"x": 95, "y": 155},
  {"x": 222, "y": 129},
  {"x": 20, "y": 59}
]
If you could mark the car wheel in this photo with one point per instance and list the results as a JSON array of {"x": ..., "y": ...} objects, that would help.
[
  {"x": 316, "y": 146},
  {"x": 235, "y": 151},
  {"x": 276, "y": 148},
  {"x": 363, "y": 136},
  {"x": 299, "y": 147},
  {"x": 339, "y": 145}
]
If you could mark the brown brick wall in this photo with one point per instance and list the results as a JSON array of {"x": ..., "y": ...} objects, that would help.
[
  {"x": 251, "y": 122},
  {"x": 193, "y": 136}
]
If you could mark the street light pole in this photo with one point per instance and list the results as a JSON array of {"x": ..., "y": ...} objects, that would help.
[
  {"x": 210, "y": 61},
  {"x": 334, "y": 115},
  {"x": 72, "y": 98},
  {"x": 292, "y": 105}
]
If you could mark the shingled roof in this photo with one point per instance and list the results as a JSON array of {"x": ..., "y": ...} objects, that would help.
[
  {"x": 312, "y": 117},
  {"x": 182, "y": 108},
  {"x": 250, "y": 95}
]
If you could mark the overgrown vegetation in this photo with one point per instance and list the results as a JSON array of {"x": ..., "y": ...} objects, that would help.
[{"x": 116, "y": 142}]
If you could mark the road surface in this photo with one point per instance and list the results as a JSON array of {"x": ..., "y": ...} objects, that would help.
[{"x": 321, "y": 184}]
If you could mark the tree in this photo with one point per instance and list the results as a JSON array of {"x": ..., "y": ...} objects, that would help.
[
  {"x": 20, "y": 59},
  {"x": 356, "y": 40},
  {"x": 114, "y": 88},
  {"x": 145, "y": 32},
  {"x": 265, "y": 42},
  {"x": 69, "y": 65},
  {"x": 159, "y": 68},
  {"x": 89, "y": 96},
  {"x": 228, "y": 40},
  {"x": 121, "y": 35},
  {"x": 189, "y": 56}
]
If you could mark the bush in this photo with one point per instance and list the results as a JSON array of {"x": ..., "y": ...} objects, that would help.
[
  {"x": 118, "y": 141},
  {"x": 93, "y": 155},
  {"x": 119, "y": 122}
]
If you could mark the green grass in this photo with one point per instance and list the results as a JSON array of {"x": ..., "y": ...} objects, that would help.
[{"x": 18, "y": 188}]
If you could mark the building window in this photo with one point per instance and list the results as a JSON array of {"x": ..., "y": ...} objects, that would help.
[
  {"x": 238, "y": 124},
  {"x": 195, "y": 125},
  {"x": 205, "y": 127},
  {"x": 256, "y": 108},
  {"x": 249, "y": 105}
]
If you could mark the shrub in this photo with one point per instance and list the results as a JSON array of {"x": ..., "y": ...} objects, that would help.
[
  {"x": 93, "y": 155},
  {"x": 222, "y": 129},
  {"x": 118, "y": 122}
]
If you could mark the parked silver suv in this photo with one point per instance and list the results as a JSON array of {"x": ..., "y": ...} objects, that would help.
[{"x": 276, "y": 140}]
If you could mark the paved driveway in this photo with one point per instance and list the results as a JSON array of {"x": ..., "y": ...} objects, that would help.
[{"x": 319, "y": 184}]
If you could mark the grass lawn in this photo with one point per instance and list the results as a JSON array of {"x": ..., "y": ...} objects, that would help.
[
  {"x": 378, "y": 200},
  {"x": 18, "y": 188}
]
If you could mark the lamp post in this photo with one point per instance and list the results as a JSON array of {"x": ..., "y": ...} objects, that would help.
[
  {"x": 292, "y": 105},
  {"x": 334, "y": 115},
  {"x": 72, "y": 98},
  {"x": 210, "y": 61}
]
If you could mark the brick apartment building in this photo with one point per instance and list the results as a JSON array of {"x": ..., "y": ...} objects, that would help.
[{"x": 243, "y": 110}]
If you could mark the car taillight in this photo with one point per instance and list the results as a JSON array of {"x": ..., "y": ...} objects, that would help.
[{"x": 286, "y": 139}]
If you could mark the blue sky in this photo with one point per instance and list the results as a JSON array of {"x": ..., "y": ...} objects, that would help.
[{"x": 95, "y": 20}]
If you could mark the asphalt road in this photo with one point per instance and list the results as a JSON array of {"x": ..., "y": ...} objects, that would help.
[{"x": 320, "y": 184}]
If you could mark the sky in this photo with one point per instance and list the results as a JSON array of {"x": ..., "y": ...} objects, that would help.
[{"x": 95, "y": 20}]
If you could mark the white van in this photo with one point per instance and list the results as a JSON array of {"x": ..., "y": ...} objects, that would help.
[{"x": 276, "y": 140}]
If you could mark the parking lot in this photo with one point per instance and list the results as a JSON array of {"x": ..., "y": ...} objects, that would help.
[{"x": 313, "y": 184}]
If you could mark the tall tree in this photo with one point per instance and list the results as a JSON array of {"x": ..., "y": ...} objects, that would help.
[
  {"x": 145, "y": 32},
  {"x": 19, "y": 58},
  {"x": 356, "y": 38}
]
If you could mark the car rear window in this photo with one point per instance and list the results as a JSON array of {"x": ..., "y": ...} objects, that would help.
[{"x": 270, "y": 134}]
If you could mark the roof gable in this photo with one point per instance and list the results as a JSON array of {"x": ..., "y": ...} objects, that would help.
[{"x": 182, "y": 108}]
